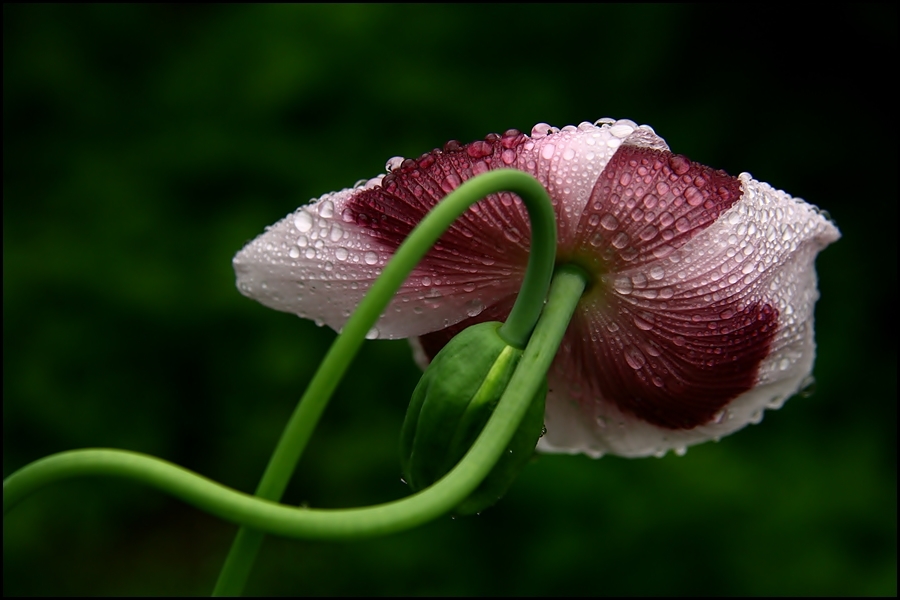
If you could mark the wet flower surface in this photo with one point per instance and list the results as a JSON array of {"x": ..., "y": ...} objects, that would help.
[{"x": 698, "y": 316}]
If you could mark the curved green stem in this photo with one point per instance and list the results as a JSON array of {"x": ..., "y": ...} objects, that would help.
[
  {"x": 526, "y": 310},
  {"x": 331, "y": 524},
  {"x": 197, "y": 490}
]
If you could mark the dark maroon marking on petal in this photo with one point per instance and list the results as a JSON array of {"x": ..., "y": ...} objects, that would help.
[
  {"x": 496, "y": 230},
  {"x": 433, "y": 342},
  {"x": 672, "y": 369},
  {"x": 647, "y": 203}
]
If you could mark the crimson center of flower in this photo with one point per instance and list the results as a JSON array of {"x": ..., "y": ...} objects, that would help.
[{"x": 648, "y": 335}]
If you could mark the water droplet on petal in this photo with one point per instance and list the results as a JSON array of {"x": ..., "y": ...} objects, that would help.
[
  {"x": 623, "y": 285},
  {"x": 326, "y": 209},
  {"x": 693, "y": 196},
  {"x": 303, "y": 221},
  {"x": 679, "y": 164},
  {"x": 373, "y": 334},
  {"x": 807, "y": 387},
  {"x": 609, "y": 222},
  {"x": 548, "y": 151},
  {"x": 393, "y": 163},
  {"x": 634, "y": 357},
  {"x": 341, "y": 253},
  {"x": 450, "y": 182},
  {"x": 371, "y": 258},
  {"x": 294, "y": 252},
  {"x": 642, "y": 324},
  {"x": 474, "y": 307}
]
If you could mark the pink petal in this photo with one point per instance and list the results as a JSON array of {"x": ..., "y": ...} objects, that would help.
[
  {"x": 695, "y": 345},
  {"x": 319, "y": 261},
  {"x": 699, "y": 317}
]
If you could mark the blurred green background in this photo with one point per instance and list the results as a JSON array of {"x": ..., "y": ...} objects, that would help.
[{"x": 144, "y": 145}]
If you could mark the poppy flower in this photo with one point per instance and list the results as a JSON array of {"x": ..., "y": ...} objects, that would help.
[{"x": 699, "y": 314}]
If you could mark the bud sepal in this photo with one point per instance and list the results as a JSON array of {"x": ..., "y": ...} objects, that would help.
[{"x": 450, "y": 406}]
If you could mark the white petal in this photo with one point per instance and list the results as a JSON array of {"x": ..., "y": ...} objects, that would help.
[
  {"x": 568, "y": 162},
  {"x": 318, "y": 264},
  {"x": 762, "y": 250}
]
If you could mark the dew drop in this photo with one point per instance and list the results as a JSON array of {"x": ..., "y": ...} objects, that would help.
[
  {"x": 642, "y": 324},
  {"x": 512, "y": 235},
  {"x": 693, "y": 196},
  {"x": 450, "y": 182},
  {"x": 634, "y": 357},
  {"x": 303, "y": 221},
  {"x": 371, "y": 258},
  {"x": 372, "y": 334},
  {"x": 657, "y": 273},
  {"x": 648, "y": 233},
  {"x": 393, "y": 163},
  {"x": 807, "y": 387},
  {"x": 326, "y": 209},
  {"x": 341, "y": 253},
  {"x": 620, "y": 240},
  {"x": 609, "y": 222},
  {"x": 474, "y": 307},
  {"x": 679, "y": 164},
  {"x": 623, "y": 285},
  {"x": 294, "y": 252}
]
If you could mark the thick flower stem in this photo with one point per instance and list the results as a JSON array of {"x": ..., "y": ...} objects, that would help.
[
  {"x": 332, "y": 524},
  {"x": 198, "y": 490},
  {"x": 343, "y": 350},
  {"x": 261, "y": 516}
]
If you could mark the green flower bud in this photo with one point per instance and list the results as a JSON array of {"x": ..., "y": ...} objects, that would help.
[{"x": 454, "y": 399}]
